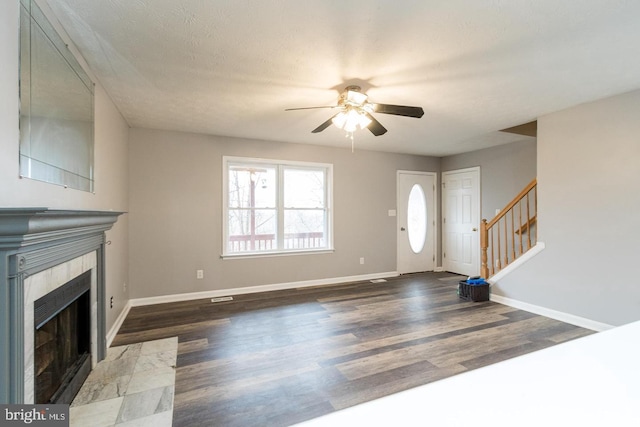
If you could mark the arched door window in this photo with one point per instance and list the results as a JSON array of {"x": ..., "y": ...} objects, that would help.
[{"x": 417, "y": 218}]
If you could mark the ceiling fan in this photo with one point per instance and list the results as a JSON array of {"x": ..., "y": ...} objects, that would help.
[{"x": 355, "y": 111}]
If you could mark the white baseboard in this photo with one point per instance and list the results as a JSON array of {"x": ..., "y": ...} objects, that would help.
[
  {"x": 535, "y": 250},
  {"x": 543, "y": 311},
  {"x": 553, "y": 314},
  {"x": 253, "y": 289},
  {"x": 118, "y": 323},
  {"x": 438, "y": 269}
]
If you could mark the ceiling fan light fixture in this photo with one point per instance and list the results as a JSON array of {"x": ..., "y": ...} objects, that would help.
[
  {"x": 351, "y": 119},
  {"x": 355, "y": 111},
  {"x": 356, "y": 97},
  {"x": 340, "y": 119},
  {"x": 363, "y": 120},
  {"x": 350, "y": 127},
  {"x": 351, "y": 122}
]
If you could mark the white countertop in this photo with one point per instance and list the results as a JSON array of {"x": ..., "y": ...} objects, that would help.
[{"x": 591, "y": 381}]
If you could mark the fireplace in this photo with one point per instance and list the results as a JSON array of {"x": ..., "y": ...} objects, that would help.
[
  {"x": 62, "y": 355},
  {"x": 52, "y": 301}
]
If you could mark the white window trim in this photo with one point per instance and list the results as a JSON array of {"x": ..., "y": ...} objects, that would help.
[{"x": 226, "y": 160}]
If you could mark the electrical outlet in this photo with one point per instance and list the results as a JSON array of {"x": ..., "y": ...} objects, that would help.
[
  {"x": 199, "y": 274},
  {"x": 361, "y": 260}
]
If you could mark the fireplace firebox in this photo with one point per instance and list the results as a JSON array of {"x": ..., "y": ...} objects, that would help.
[{"x": 62, "y": 357}]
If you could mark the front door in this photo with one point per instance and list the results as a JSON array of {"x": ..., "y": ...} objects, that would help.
[
  {"x": 416, "y": 221},
  {"x": 461, "y": 221}
]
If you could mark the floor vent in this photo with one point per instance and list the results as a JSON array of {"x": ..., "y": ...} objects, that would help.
[
  {"x": 221, "y": 299},
  {"x": 378, "y": 280}
]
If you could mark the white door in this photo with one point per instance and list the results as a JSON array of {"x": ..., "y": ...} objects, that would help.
[
  {"x": 416, "y": 221},
  {"x": 461, "y": 221}
]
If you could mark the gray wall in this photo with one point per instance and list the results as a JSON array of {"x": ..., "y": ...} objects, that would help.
[
  {"x": 588, "y": 179},
  {"x": 504, "y": 171},
  {"x": 111, "y": 162},
  {"x": 176, "y": 216}
]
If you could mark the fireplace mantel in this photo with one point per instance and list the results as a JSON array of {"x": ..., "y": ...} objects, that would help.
[
  {"x": 33, "y": 240},
  {"x": 25, "y": 226}
]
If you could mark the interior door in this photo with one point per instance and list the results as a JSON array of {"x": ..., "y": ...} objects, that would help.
[
  {"x": 416, "y": 221},
  {"x": 461, "y": 221}
]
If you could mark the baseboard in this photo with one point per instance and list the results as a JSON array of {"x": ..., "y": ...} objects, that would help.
[
  {"x": 535, "y": 250},
  {"x": 254, "y": 289},
  {"x": 118, "y": 323},
  {"x": 553, "y": 314},
  {"x": 438, "y": 269}
]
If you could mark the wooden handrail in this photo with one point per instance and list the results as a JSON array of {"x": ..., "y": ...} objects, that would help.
[
  {"x": 505, "y": 243},
  {"x": 525, "y": 227},
  {"x": 512, "y": 203}
]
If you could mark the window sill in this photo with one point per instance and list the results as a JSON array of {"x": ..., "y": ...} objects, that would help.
[{"x": 277, "y": 254}]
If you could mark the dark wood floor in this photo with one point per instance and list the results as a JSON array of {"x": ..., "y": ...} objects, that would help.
[{"x": 278, "y": 358}]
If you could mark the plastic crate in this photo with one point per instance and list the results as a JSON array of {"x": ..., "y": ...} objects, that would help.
[{"x": 473, "y": 292}]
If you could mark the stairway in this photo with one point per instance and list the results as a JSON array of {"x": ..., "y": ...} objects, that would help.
[{"x": 511, "y": 233}]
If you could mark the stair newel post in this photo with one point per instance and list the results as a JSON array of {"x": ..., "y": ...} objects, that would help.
[{"x": 484, "y": 237}]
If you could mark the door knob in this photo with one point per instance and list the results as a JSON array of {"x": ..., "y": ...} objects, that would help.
[{"x": 401, "y": 228}]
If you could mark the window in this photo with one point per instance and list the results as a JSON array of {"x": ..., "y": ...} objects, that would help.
[
  {"x": 276, "y": 206},
  {"x": 417, "y": 218}
]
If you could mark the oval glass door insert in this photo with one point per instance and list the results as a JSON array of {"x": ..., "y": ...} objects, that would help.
[{"x": 417, "y": 218}]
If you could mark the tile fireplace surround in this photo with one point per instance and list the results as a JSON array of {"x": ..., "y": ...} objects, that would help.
[{"x": 40, "y": 250}]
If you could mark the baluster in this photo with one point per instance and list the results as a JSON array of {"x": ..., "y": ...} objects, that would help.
[
  {"x": 484, "y": 270},
  {"x": 506, "y": 241},
  {"x": 499, "y": 264},
  {"x": 520, "y": 223},
  {"x": 513, "y": 235},
  {"x": 529, "y": 224},
  {"x": 535, "y": 212},
  {"x": 493, "y": 262}
]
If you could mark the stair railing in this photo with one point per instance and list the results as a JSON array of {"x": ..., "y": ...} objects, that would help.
[{"x": 511, "y": 233}]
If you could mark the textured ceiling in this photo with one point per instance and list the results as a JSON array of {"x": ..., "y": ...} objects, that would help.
[{"x": 231, "y": 67}]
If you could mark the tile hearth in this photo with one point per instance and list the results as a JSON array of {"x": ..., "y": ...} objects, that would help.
[{"x": 133, "y": 386}]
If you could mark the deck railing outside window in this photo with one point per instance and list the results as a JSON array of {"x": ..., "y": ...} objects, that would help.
[{"x": 266, "y": 242}]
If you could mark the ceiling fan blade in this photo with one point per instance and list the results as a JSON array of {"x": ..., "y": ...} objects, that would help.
[
  {"x": 375, "y": 127},
  {"x": 324, "y": 125},
  {"x": 399, "y": 110},
  {"x": 310, "y": 108}
]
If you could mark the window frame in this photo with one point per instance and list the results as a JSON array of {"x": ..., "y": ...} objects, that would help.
[{"x": 280, "y": 166}]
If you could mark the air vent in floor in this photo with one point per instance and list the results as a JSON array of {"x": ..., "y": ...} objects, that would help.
[{"x": 221, "y": 299}]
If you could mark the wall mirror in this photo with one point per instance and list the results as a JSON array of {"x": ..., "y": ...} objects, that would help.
[{"x": 56, "y": 106}]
